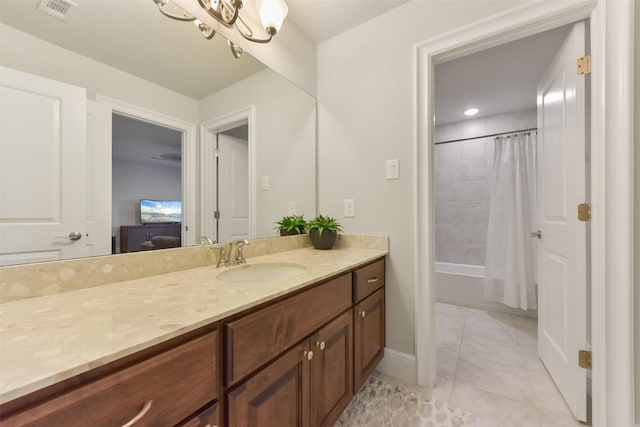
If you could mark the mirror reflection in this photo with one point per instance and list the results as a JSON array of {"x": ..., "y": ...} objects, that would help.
[{"x": 168, "y": 120}]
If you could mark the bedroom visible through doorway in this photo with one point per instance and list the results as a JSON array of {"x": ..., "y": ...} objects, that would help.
[{"x": 146, "y": 185}]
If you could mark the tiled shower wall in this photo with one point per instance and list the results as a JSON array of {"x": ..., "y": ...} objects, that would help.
[{"x": 463, "y": 172}]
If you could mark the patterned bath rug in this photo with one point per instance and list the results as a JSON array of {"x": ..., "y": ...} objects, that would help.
[{"x": 381, "y": 403}]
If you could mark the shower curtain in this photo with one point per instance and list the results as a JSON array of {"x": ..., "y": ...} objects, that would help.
[{"x": 510, "y": 256}]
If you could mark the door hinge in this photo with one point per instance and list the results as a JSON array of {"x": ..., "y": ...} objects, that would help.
[
  {"x": 584, "y": 359},
  {"x": 584, "y": 65},
  {"x": 584, "y": 212},
  {"x": 216, "y": 214}
]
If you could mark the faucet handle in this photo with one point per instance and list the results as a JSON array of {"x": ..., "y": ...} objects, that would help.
[
  {"x": 239, "y": 255},
  {"x": 222, "y": 261}
]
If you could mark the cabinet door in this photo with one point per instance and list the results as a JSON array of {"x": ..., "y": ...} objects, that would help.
[
  {"x": 368, "y": 347},
  {"x": 331, "y": 370},
  {"x": 276, "y": 396}
]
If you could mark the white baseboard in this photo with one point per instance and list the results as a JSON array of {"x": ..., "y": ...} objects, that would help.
[{"x": 398, "y": 365}]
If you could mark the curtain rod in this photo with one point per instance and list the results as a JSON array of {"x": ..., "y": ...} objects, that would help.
[{"x": 486, "y": 136}]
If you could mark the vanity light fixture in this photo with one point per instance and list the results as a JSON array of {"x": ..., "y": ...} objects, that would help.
[
  {"x": 227, "y": 12},
  {"x": 471, "y": 111}
]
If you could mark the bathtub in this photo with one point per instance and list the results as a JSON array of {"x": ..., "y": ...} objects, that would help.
[{"x": 463, "y": 285}]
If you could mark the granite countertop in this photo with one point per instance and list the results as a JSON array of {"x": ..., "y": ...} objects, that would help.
[{"x": 48, "y": 339}]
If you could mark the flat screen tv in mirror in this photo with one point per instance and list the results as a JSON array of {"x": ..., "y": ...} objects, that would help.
[{"x": 160, "y": 211}]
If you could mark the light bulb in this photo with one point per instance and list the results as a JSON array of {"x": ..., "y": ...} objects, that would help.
[
  {"x": 272, "y": 14},
  {"x": 471, "y": 111}
]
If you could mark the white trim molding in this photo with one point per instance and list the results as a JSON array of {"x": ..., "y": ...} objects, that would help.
[
  {"x": 398, "y": 365},
  {"x": 611, "y": 174},
  {"x": 208, "y": 130},
  {"x": 189, "y": 150}
]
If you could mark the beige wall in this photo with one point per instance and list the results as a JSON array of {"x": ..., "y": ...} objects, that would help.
[
  {"x": 365, "y": 116},
  {"x": 26, "y": 53},
  {"x": 285, "y": 143}
]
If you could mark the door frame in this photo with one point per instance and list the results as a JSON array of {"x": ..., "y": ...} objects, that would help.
[
  {"x": 611, "y": 38},
  {"x": 189, "y": 169},
  {"x": 208, "y": 131}
]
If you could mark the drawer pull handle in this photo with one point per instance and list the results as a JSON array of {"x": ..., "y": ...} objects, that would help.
[
  {"x": 372, "y": 279},
  {"x": 308, "y": 354},
  {"x": 141, "y": 414},
  {"x": 321, "y": 344},
  {"x": 362, "y": 313}
]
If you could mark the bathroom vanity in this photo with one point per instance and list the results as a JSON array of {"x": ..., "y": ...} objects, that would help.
[{"x": 291, "y": 353}]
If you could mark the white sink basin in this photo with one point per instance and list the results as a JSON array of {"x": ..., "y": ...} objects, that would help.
[{"x": 256, "y": 273}]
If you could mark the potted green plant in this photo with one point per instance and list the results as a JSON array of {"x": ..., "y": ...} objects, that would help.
[
  {"x": 323, "y": 231},
  {"x": 290, "y": 225}
]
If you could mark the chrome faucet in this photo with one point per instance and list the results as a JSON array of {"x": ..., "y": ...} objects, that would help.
[
  {"x": 239, "y": 258},
  {"x": 224, "y": 258}
]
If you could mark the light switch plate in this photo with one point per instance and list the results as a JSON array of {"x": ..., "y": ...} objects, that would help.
[
  {"x": 393, "y": 169},
  {"x": 349, "y": 208},
  {"x": 291, "y": 208},
  {"x": 264, "y": 182}
]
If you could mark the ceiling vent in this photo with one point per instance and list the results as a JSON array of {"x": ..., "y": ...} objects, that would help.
[{"x": 61, "y": 9}]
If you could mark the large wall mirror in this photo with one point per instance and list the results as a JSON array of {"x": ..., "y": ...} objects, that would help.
[{"x": 198, "y": 142}]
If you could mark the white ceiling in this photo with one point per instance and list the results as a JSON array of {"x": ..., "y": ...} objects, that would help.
[
  {"x": 322, "y": 19},
  {"x": 497, "y": 80},
  {"x": 140, "y": 141},
  {"x": 133, "y": 36}
]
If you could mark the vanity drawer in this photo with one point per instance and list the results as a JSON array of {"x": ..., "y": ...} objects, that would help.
[
  {"x": 255, "y": 339},
  {"x": 163, "y": 389},
  {"x": 367, "y": 280}
]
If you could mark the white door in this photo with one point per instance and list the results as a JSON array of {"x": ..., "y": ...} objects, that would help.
[
  {"x": 233, "y": 188},
  {"x": 97, "y": 237},
  {"x": 562, "y": 316},
  {"x": 42, "y": 207}
]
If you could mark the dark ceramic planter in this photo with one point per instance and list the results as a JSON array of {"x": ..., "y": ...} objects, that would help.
[
  {"x": 293, "y": 232},
  {"x": 323, "y": 242}
]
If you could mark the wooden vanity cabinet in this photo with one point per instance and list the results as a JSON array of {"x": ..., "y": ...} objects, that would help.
[
  {"x": 161, "y": 389},
  {"x": 255, "y": 339},
  {"x": 331, "y": 370},
  {"x": 309, "y": 385},
  {"x": 293, "y": 362},
  {"x": 368, "y": 321}
]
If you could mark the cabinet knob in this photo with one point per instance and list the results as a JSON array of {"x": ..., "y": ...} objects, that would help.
[
  {"x": 372, "y": 279},
  {"x": 321, "y": 344},
  {"x": 308, "y": 354},
  {"x": 362, "y": 313}
]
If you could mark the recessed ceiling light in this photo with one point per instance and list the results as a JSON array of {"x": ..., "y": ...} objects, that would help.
[{"x": 471, "y": 111}]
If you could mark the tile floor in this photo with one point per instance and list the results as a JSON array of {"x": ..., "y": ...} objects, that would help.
[
  {"x": 488, "y": 363},
  {"x": 386, "y": 402}
]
